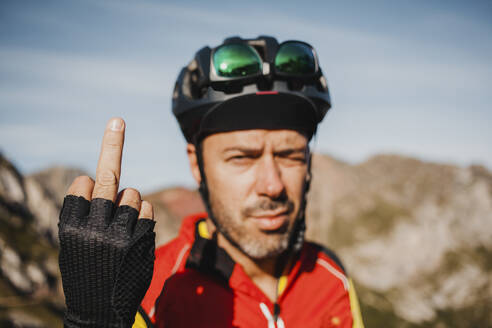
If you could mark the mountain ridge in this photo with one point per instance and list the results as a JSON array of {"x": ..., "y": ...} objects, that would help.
[{"x": 415, "y": 236}]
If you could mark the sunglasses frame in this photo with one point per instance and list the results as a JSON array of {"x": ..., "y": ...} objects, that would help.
[
  {"x": 316, "y": 72},
  {"x": 214, "y": 77},
  {"x": 268, "y": 70}
]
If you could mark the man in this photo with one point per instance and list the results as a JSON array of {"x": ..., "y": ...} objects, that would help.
[{"x": 248, "y": 110}]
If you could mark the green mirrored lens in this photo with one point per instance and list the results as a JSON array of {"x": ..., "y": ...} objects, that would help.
[
  {"x": 295, "y": 58},
  {"x": 236, "y": 60}
]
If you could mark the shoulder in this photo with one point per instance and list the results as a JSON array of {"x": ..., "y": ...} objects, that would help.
[
  {"x": 341, "y": 302},
  {"x": 326, "y": 253},
  {"x": 327, "y": 263}
]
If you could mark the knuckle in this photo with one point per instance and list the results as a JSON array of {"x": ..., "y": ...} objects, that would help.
[
  {"x": 146, "y": 209},
  {"x": 135, "y": 203},
  {"x": 82, "y": 179},
  {"x": 80, "y": 184},
  {"x": 147, "y": 204},
  {"x": 132, "y": 193},
  {"x": 130, "y": 197},
  {"x": 113, "y": 139},
  {"x": 112, "y": 145},
  {"x": 106, "y": 178}
]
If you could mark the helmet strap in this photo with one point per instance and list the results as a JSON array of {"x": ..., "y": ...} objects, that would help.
[
  {"x": 297, "y": 238},
  {"x": 203, "y": 188}
]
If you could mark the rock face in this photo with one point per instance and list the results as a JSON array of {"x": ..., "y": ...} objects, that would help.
[
  {"x": 45, "y": 192},
  {"x": 30, "y": 286},
  {"x": 415, "y": 236}
]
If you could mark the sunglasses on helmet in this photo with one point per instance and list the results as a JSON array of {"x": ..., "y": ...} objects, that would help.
[{"x": 241, "y": 64}]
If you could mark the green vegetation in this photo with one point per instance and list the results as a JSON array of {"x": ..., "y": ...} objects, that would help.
[
  {"x": 378, "y": 221},
  {"x": 472, "y": 316},
  {"x": 377, "y": 310},
  {"x": 21, "y": 236},
  {"x": 484, "y": 257},
  {"x": 16, "y": 232},
  {"x": 42, "y": 311}
]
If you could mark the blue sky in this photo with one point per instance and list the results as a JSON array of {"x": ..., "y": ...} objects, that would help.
[{"x": 408, "y": 77}]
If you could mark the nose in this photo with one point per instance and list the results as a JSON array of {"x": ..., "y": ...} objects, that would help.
[{"x": 269, "y": 179}]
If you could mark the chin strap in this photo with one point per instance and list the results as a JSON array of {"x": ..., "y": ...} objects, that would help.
[
  {"x": 203, "y": 189},
  {"x": 297, "y": 237}
]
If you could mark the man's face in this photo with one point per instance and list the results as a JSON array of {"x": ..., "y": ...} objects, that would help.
[{"x": 256, "y": 185}]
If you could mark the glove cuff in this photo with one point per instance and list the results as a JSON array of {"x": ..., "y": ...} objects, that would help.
[{"x": 71, "y": 321}]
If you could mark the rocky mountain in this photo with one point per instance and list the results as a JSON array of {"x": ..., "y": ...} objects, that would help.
[
  {"x": 30, "y": 285},
  {"x": 416, "y": 237}
]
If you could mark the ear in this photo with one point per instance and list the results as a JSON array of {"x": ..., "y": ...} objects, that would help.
[{"x": 192, "y": 158}]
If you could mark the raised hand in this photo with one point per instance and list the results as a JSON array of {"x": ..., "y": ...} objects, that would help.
[{"x": 106, "y": 243}]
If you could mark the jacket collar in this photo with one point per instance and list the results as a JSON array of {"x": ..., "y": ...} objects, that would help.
[{"x": 207, "y": 257}]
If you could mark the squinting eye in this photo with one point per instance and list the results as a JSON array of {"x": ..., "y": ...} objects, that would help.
[
  {"x": 239, "y": 159},
  {"x": 295, "y": 159}
]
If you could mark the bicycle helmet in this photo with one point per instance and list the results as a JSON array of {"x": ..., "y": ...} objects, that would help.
[{"x": 251, "y": 84}]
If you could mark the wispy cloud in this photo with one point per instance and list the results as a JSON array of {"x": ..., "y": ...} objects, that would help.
[
  {"x": 419, "y": 86},
  {"x": 88, "y": 72}
]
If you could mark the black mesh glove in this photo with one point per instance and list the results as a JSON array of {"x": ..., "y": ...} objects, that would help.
[{"x": 106, "y": 262}]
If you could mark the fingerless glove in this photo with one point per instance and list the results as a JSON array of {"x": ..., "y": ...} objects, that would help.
[{"x": 106, "y": 262}]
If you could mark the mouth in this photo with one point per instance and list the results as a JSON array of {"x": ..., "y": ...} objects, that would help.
[{"x": 271, "y": 221}]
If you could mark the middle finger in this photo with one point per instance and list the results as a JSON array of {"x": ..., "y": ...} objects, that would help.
[{"x": 109, "y": 164}]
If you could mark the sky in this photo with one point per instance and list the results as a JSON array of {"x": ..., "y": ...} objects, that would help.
[{"x": 406, "y": 77}]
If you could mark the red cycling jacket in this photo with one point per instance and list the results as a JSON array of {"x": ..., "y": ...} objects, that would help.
[{"x": 197, "y": 284}]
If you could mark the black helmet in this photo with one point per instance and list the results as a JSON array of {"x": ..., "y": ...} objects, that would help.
[{"x": 251, "y": 84}]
